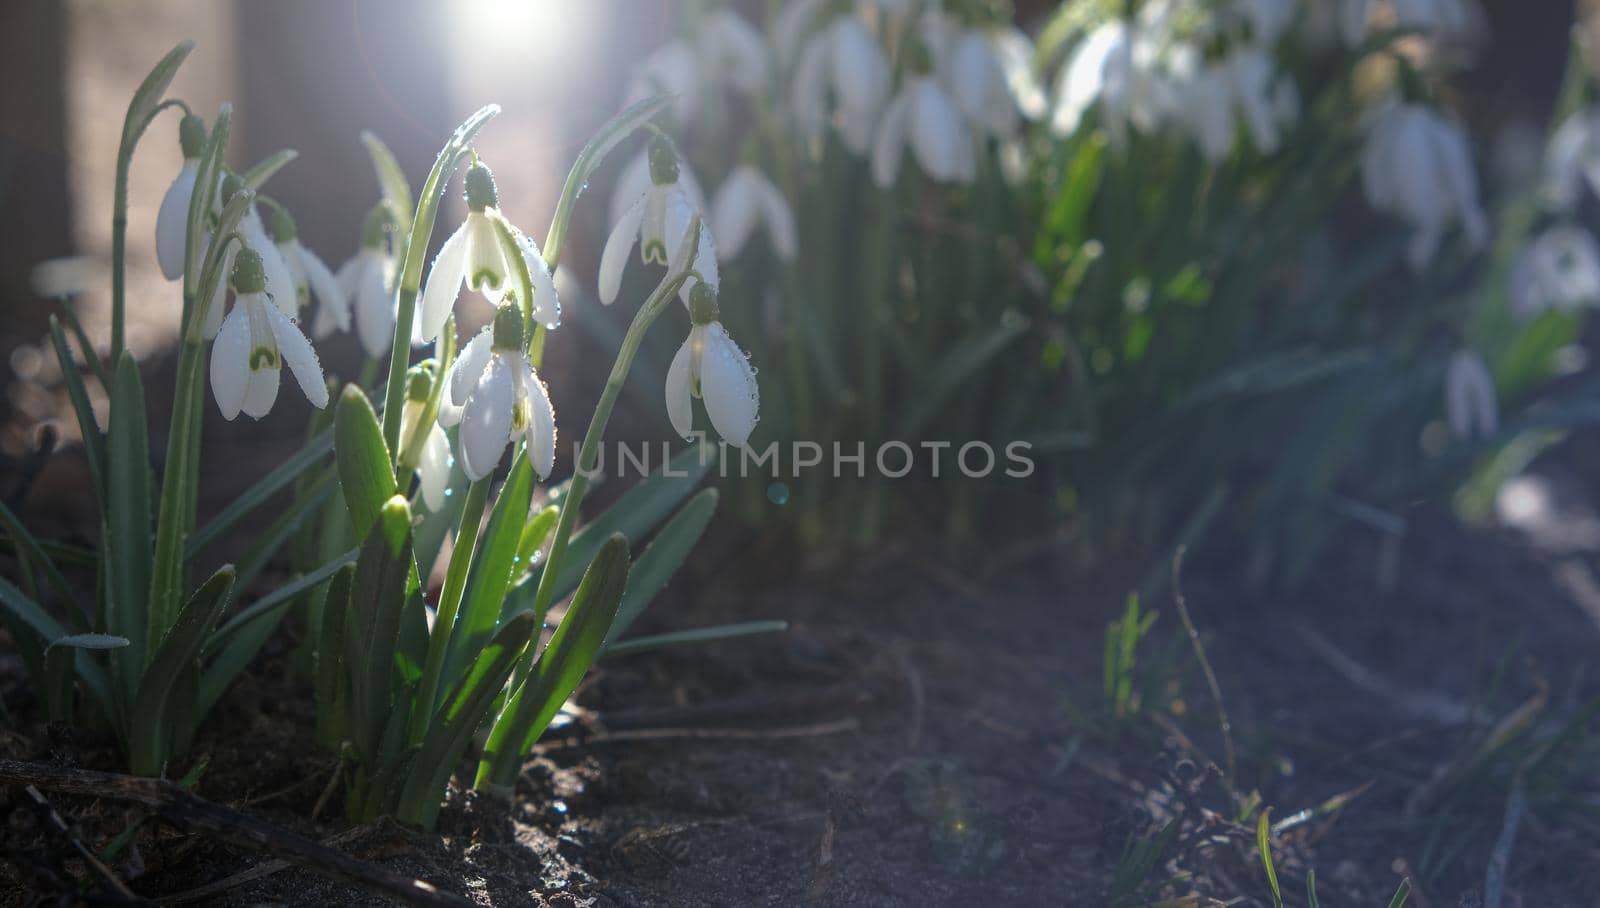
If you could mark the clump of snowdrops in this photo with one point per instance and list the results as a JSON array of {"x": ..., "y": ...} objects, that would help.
[
  {"x": 1204, "y": 257},
  {"x": 419, "y": 449}
]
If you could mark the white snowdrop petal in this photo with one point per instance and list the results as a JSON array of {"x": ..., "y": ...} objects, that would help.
[
  {"x": 734, "y": 210},
  {"x": 728, "y": 386},
  {"x": 444, "y": 283},
  {"x": 680, "y": 403},
  {"x": 889, "y": 145},
  {"x": 781, "y": 229},
  {"x": 485, "y": 269},
  {"x": 468, "y": 368},
  {"x": 374, "y": 307},
  {"x": 860, "y": 67},
  {"x": 230, "y": 363},
  {"x": 434, "y": 468},
  {"x": 280, "y": 279},
  {"x": 541, "y": 430},
  {"x": 486, "y": 420},
  {"x": 614, "y": 257},
  {"x": 172, "y": 221},
  {"x": 808, "y": 89},
  {"x": 330, "y": 297},
  {"x": 546, "y": 300},
  {"x": 937, "y": 134},
  {"x": 299, "y": 356}
]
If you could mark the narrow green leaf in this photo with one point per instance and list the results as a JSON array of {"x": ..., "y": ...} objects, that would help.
[
  {"x": 94, "y": 443},
  {"x": 391, "y": 180},
  {"x": 315, "y": 448},
  {"x": 1311, "y": 890},
  {"x": 128, "y": 524},
  {"x": 331, "y": 721},
  {"x": 493, "y": 566},
  {"x": 695, "y": 636},
  {"x": 372, "y": 625},
  {"x": 31, "y": 553},
  {"x": 663, "y": 556},
  {"x": 1068, "y": 216},
  {"x": 1264, "y": 846},
  {"x": 88, "y": 641},
  {"x": 85, "y": 349},
  {"x": 635, "y": 514},
  {"x": 463, "y": 712},
  {"x": 562, "y": 665},
  {"x": 365, "y": 471},
  {"x": 1401, "y": 894},
  {"x": 955, "y": 369},
  {"x": 271, "y": 538},
  {"x": 444, "y": 167},
  {"x": 30, "y": 625},
  {"x": 257, "y": 176},
  {"x": 151, "y": 722},
  {"x": 282, "y": 595},
  {"x": 148, "y": 96}
]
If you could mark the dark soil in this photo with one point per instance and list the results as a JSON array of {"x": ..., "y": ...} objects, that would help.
[{"x": 925, "y": 736}]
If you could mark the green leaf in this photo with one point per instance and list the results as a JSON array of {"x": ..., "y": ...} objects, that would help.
[
  {"x": 695, "y": 636},
  {"x": 494, "y": 563},
  {"x": 208, "y": 173},
  {"x": 635, "y": 514},
  {"x": 331, "y": 721},
  {"x": 264, "y": 489},
  {"x": 30, "y": 554},
  {"x": 128, "y": 524},
  {"x": 1264, "y": 846},
  {"x": 94, "y": 443},
  {"x": 282, "y": 595},
  {"x": 594, "y": 152},
  {"x": 391, "y": 180},
  {"x": 1068, "y": 216},
  {"x": 562, "y": 665},
  {"x": 88, "y": 641},
  {"x": 1311, "y": 890},
  {"x": 535, "y": 535},
  {"x": 147, "y": 98},
  {"x": 30, "y": 626},
  {"x": 151, "y": 723},
  {"x": 365, "y": 471},
  {"x": 955, "y": 369},
  {"x": 663, "y": 556},
  {"x": 257, "y": 176},
  {"x": 464, "y": 711},
  {"x": 1401, "y": 894},
  {"x": 372, "y": 625}
]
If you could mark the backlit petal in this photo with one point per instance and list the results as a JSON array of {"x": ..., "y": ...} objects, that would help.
[
  {"x": 299, "y": 356},
  {"x": 728, "y": 387},
  {"x": 172, "y": 221},
  {"x": 614, "y": 258},
  {"x": 230, "y": 363},
  {"x": 444, "y": 283},
  {"x": 680, "y": 405},
  {"x": 486, "y": 420}
]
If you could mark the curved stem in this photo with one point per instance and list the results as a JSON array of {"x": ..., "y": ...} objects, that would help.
[{"x": 455, "y": 583}]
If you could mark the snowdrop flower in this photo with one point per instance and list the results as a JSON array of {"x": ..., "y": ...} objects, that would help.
[
  {"x": 987, "y": 73},
  {"x": 673, "y": 69},
  {"x": 434, "y": 460},
  {"x": 255, "y": 340},
  {"x": 1471, "y": 407},
  {"x": 365, "y": 281},
  {"x": 494, "y": 393},
  {"x": 1105, "y": 70},
  {"x": 634, "y": 181},
  {"x": 280, "y": 284},
  {"x": 310, "y": 274},
  {"x": 924, "y": 117},
  {"x": 711, "y": 366},
  {"x": 745, "y": 200},
  {"x": 844, "y": 62},
  {"x": 1573, "y": 159},
  {"x": 1559, "y": 270},
  {"x": 1245, "y": 81},
  {"x": 658, "y": 220},
  {"x": 172, "y": 221},
  {"x": 1417, "y": 166},
  {"x": 734, "y": 48},
  {"x": 473, "y": 256}
]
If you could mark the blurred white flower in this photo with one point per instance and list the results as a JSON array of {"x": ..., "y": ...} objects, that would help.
[
  {"x": 434, "y": 461},
  {"x": 494, "y": 393},
  {"x": 1417, "y": 165},
  {"x": 1471, "y": 406},
  {"x": 735, "y": 49},
  {"x": 988, "y": 72},
  {"x": 1246, "y": 82},
  {"x": 1559, "y": 270},
  {"x": 748, "y": 199},
  {"x": 172, "y": 220},
  {"x": 1573, "y": 159},
  {"x": 924, "y": 117},
  {"x": 311, "y": 275},
  {"x": 711, "y": 366},
  {"x": 474, "y": 257},
  {"x": 673, "y": 69},
  {"x": 658, "y": 220},
  {"x": 365, "y": 280},
  {"x": 726, "y": 49},
  {"x": 841, "y": 63},
  {"x": 254, "y": 342},
  {"x": 1113, "y": 68}
]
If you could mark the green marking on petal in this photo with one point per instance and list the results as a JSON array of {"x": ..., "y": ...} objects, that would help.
[
  {"x": 655, "y": 251},
  {"x": 264, "y": 358},
  {"x": 485, "y": 276}
]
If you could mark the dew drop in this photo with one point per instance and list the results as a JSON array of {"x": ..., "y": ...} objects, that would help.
[{"x": 778, "y": 493}]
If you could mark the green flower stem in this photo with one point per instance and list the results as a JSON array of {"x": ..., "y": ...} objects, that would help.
[
  {"x": 455, "y": 583},
  {"x": 642, "y": 320},
  {"x": 410, "y": 283},
  {"x": 412, "y": 453}
]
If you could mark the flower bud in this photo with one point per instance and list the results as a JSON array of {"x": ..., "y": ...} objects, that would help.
[
  {"x": 663, "y": 161},
  {"x": 480, "y": 187},
  {"x": 376, "y": 228},
  {"x": 249, "y": 275},
  {"x": 282, "y": 226},
  {"x": 703, "y": 308},
  {"x": 419, "y": 384},
  {"x": 508, "y": 328}
]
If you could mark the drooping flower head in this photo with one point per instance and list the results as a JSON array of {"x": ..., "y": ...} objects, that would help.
[
  {"x": 366, "y": 282},
  {"x": 280, "y": 287},
  {"x": 924, "y": 118},
  {"x": 1471, "y": 406},
  {"x": 1559, "y": 270},
  {"x": 711, "y": 366},
  {"x": 172, "y": 221},
  {"x": 255, "y": 341},
  {"x": 659, "y": 222},
  {"x": 1417, "y": 166},
  {"x": 311, "y": 275},
  {"x": 495, "y": 393},
  {"x": 747, "y": 200},
  {"x": 842, "y": 71},
  {"x": 433, "y": 450},
  {"x": 475, "y": 257}
]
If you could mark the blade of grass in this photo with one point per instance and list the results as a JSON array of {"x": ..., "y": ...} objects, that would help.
[
  {"x": 696, "y": 636},
  {"x": 265, "y": 488}
]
